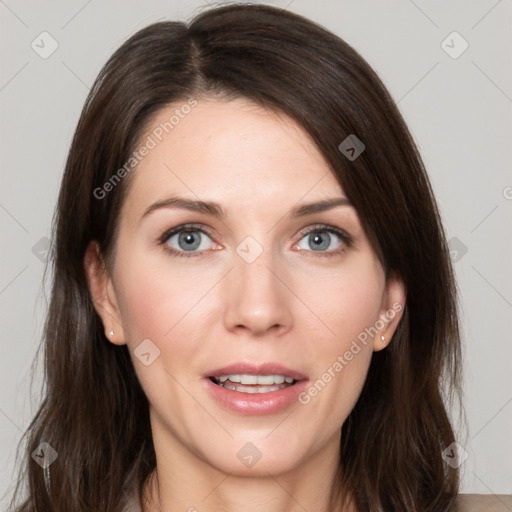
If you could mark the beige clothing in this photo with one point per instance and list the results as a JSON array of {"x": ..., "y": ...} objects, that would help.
[{"x": 485, "y": 502}]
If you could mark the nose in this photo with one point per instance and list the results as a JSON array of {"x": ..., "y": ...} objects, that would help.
[{"x": 257, "y": 300}]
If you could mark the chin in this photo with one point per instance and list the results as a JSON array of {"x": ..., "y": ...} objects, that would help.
[{"x": 256, "y": 457}]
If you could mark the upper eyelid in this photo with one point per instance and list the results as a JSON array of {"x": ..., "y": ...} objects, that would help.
[
  {"x": 185, "y": 227},
  {"x": 325, "y": 227}
]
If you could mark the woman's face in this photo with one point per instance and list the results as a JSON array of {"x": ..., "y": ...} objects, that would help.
[{"x": 265, "y": 289}]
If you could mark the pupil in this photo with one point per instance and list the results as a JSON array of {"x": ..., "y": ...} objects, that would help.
[
  {"x": 320, "y": 241},
  {"x": 190, "y": 243}
]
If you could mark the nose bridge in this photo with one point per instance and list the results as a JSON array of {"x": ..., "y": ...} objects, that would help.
[{"x": 256, "y": 297}]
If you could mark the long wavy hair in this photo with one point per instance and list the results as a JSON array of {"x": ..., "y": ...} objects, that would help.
[{"x": 93, "y": 411}]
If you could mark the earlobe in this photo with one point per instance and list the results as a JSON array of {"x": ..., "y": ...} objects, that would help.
[
  {"x": 103, "y": 293},
  {"x": 391, "y": 313}
]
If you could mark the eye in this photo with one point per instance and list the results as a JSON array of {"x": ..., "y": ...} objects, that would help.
[
  {"x": 322, "y": 239},
  {"x": 186, "y": 240},
  {"x": 190, "y": 240}
]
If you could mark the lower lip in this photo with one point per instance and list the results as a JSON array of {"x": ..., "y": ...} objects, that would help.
[{"x": 255, "y": 404}]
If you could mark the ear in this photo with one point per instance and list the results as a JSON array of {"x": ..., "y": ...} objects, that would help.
[
  {"x": 393, "y": 304},
  {"x": 103, "y": 294}
]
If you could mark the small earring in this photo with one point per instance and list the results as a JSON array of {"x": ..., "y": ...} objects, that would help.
[
  {"x": 111, "y": 332},
  {"x": 382, "y": 338}
]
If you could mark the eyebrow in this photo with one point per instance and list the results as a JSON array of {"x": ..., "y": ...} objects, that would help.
[{"x": 215, "y": 209}]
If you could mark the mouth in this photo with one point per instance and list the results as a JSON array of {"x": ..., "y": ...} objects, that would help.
[
  {"x": 248, "y": 383},
  {"x": 255, "y": 377},
  {"x": 255, "y": 388}
]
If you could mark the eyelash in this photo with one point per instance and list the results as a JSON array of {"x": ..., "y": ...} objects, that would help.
[{"x": 318, "y": 228}]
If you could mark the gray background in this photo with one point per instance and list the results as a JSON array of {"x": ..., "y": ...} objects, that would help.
[{"x": 458, "y": 109}]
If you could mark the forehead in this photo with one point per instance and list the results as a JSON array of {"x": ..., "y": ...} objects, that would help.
[{"x": 229, "y": 151}]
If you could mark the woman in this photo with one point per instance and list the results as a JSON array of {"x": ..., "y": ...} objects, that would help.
[{"x": 253, "y": 304}]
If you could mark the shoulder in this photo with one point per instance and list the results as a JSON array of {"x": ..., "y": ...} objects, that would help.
[{"x": 484, "y": 502}]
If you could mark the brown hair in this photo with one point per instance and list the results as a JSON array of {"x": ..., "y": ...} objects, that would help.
[{"x": 94, "y": 412}]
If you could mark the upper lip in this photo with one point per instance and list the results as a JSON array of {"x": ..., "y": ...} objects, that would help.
[{"x": 256, "y": 368}]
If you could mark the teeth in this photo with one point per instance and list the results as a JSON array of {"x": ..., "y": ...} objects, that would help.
[
  {"x": 253, "y": 389},
  {"x": 264, "y": 380},
  {"x": 245, "y": 383}
]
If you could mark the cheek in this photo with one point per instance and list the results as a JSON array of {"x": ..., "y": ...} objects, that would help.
[
  {"x": 348, "y": 304},
  {"x": 336, "y": 383},
  {"x": 343, "y": 302},
  {"x": 160, "y": 304},
  {"x": 154, "y": 300}
]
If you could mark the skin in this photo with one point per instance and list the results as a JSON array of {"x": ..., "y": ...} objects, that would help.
[{"x": 295, "y": 306}]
